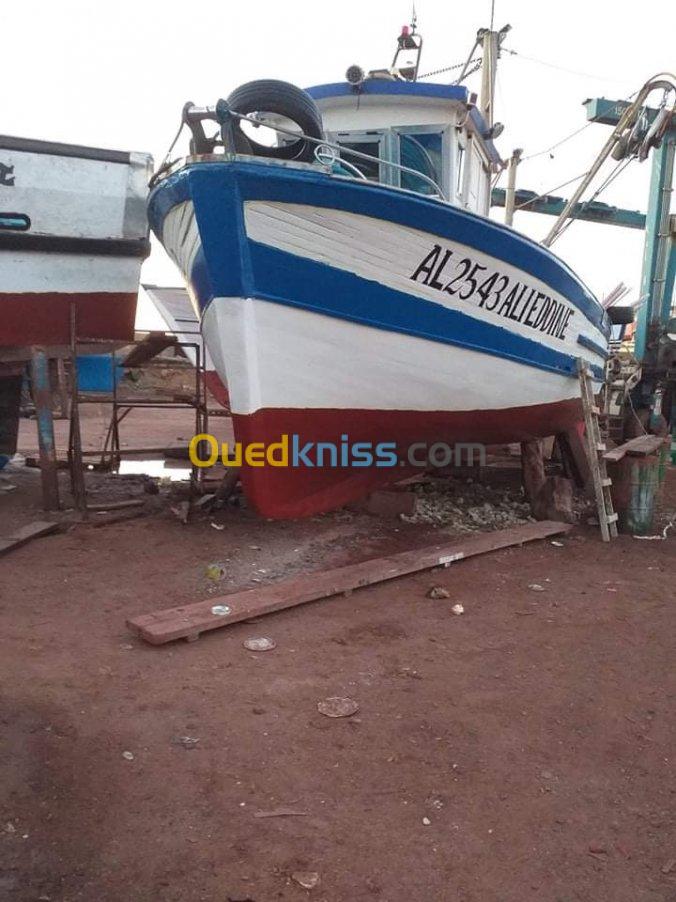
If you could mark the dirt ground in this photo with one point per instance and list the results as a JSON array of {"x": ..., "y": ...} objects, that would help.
[{"x": 522, "y": 751}]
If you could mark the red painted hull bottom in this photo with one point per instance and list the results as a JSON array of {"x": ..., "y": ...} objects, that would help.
[
  {"x": 290, "y": 492},
  {"x": 216, "y": 388},
  {"x": 44, "y": 317}
]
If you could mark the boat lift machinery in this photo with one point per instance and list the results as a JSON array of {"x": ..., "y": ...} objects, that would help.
[{"x": 639, "y": 130}]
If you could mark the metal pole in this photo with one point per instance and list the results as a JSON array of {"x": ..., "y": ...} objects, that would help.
[
  {"x": 656, "y": 304},
  {"x": 514, "y": 161},
  {"x": 42, "y": 397},
  {"x": 490, "y": 41}
]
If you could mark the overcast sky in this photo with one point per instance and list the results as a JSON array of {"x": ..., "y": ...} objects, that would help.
[{"x": 117, "y": 74}]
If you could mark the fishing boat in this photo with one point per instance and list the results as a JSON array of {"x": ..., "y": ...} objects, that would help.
[
  {"x": 352, "y": 290},
  {"x": 73, "y": 235}
]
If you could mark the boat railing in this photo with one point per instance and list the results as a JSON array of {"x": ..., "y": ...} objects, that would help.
[{"x": 221, "y": 114}]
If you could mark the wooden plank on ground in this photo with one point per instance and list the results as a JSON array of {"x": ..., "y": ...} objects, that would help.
[
  {"x": 188, "y": 621},
  {"x": 116, "y": 505},
  {"x": 26, "y": 534},
  {"x": 641, "y": 446}
]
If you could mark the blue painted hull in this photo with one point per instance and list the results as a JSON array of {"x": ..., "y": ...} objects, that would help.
[{"x": 230, "y": 264}]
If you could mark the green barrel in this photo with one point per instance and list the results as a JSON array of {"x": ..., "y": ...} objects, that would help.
[{"x": 636, "y": 492}]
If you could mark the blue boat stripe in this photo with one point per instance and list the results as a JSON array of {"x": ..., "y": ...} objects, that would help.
[
  {"x": 591, "y": 346},
  {"x": 284, "y": 278},
  {"x": 287, "y": 185}
]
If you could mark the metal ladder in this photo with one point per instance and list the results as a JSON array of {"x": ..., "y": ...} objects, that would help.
[{"x": 595, "y": 448}]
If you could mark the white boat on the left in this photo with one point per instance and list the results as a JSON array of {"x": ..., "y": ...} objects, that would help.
[{"x": 73, "y": 235}]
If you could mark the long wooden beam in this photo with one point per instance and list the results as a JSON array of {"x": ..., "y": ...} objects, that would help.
[
  {"x": 552, "y": 205},
  {"x": 190, "y": 620}
]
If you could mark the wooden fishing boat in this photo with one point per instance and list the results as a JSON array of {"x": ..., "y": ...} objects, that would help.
[{"x": 352, "y": 289}]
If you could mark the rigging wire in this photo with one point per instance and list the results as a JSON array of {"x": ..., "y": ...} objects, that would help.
[
  {"x": 551, "y": 190},
  {"x": 533, "y": 59},
  {"x": 477, "y": 65},
  {"x": 547, "y": 150},
  {"x": 441, "y": 71},
  {"x": 541, "y": 153},
  {"x": 618, "y": 170}
]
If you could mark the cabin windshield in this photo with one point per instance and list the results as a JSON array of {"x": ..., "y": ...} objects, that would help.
[
  {"x": 423, "y": 149},
  {"x": 451, "y": 157}
]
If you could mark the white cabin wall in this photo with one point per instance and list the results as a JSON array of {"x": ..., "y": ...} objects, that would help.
[{"x": 363, "y": 113}]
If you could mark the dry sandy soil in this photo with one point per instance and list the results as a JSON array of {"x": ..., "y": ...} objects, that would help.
[{"x": 522, "y": 751}]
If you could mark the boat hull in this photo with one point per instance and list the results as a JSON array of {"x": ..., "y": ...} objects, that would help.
[
  {"x": 337, "y": 311},
  {"x": 72, "y": 240}
]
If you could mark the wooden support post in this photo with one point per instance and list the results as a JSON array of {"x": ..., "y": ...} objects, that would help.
[
  {"x": 62, "y": 387},
  {"x": 42, "y": 398},
  {"x": 533, "y": 468},
  {"x": 77, "y": 479},
  {"x": 511, "y": 185},
  {"x": 575, "y": 460}
]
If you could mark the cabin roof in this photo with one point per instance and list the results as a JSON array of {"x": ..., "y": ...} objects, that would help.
[{"x": 385, "y": 86}]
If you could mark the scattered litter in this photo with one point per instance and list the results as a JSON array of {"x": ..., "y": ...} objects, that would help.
[
  {"x": 10, "y": 828},
  {"x": 215, "y": 572},
  {"x": 261, "y": 643},
  {"x": 221, "y": 610},
  {"x": 337, "y": 707},
  {"x": 536, "y": 587},
  {"x": 182, "y": 511},
  {"x": 426, "y": 822},
  {"x": 188, "y": 742},
  {"x": 659, "y": 538},
  {"x": 458, "y": 609},
  {"x": 257, "y": 547},
  {"x": 438, "y": 592},
  {"x": 281, "y": 812},
  {"x": 669, "y": 866},
  {"x": 596, "y": 849},
  {"x": 128, "y": 756},
  {"x": 306, "y": 879},
  {"x": 218, "y": 526},
  {"x": 557, "y": 544},
  {"x": 6, "y": 485},
  {"x": 126, "y": 646}
]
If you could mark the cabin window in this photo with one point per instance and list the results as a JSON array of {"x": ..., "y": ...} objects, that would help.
[
  {"x": 371, "y": 143},
  {"x": 460, "y": 171},
  {"x": 421, "y": 151},
  {"x": 478, "y": 181}
]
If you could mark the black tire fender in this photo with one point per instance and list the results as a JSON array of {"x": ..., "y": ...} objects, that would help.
[{"x": 272, "y": 96}]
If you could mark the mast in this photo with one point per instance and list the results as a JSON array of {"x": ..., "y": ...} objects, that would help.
[{"x": 491, "y": 42}]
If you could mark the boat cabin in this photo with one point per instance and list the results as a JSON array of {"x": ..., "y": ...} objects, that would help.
[{"x": 432, "y": 129}]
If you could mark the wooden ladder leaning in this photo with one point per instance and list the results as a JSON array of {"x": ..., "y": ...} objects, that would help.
[{"x": 596, "y": 448}]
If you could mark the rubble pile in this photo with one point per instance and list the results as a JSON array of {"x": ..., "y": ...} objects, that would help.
[{"x": 468, "y": 506}]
